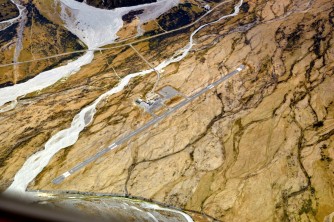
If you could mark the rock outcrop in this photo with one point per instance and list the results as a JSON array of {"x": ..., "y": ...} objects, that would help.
[
  {"x": 41, "y": 38},
  {"x": 8, "y": 10},
  {"x": 259, "y": 147}
]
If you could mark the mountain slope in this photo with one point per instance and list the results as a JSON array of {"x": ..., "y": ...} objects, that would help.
[{"x": 259, "y": 147}]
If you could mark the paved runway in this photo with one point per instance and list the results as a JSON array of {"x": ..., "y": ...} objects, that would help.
[{"x": 126, "y": 138}]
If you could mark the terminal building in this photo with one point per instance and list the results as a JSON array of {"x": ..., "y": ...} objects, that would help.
[{"x": 155, "y": 101}]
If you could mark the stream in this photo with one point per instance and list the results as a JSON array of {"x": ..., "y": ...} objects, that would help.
[
  {"x": 67, "y": 137},
  {"x": 6, "y": 24},
  {"x": 97, "y": 29},
  {"x": 19, "y": 43}
]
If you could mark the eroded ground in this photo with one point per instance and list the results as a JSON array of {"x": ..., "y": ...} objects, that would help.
[
  {"x": 41, "y": 38},
  {"x": 257, "y": 148},
  {"x": 8, "y": 10}
]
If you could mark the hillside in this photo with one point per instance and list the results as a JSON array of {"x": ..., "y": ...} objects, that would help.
[
  {"x": 258, "y": 147},
  {"x": 8, "y": 10}
]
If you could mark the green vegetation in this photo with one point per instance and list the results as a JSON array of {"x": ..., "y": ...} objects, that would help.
[{"x": 307, "y": 207}]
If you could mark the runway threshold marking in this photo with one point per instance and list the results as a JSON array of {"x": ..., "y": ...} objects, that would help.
[{"x": 127, "y": 137}]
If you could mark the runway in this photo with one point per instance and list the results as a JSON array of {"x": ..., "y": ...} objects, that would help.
[{"x": 157, "y": 119}]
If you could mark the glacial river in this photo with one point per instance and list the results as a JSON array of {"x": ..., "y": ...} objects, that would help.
[
  {"x": 93, "y": 26},
  {"x": 67, "y": 137}
]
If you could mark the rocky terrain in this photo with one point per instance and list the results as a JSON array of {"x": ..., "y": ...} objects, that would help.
[
  {"x": 8, "y": 10},
  {"x": 40, "y": 38},
  {"x": 257, "y": 148},
  {"x": 107, "y": 208}
]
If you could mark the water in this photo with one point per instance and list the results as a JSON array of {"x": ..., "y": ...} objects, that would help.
[
  {"x": 5, "y": 24},
  {"x": 67, "y": 137},
  {"x": 95, "y": 27}
]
